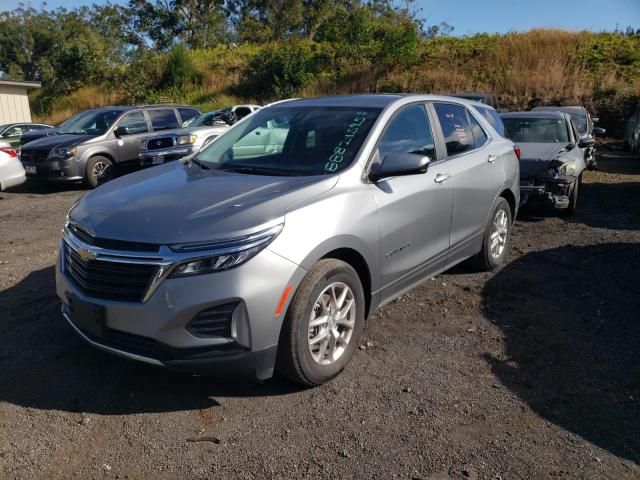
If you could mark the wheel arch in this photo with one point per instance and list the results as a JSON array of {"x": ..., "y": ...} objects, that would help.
[
  {"x": 508, "y": 195},
  {"x": 353, "y": 258}
]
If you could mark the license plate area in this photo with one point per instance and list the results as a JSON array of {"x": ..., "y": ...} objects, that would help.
[
  {"x": 30, "y": 169},
  {"x": 88, "y": 317},
  {"x": 157, "y": 160}
]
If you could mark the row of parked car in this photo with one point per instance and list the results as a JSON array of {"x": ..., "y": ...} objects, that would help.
[{"x": 556, "y": 143}]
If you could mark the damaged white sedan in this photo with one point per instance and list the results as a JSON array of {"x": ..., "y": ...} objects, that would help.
[{"x": 551, "y": 160}]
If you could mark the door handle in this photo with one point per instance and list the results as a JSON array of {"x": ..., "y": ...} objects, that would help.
[
  {"x": 442, "y": 177},
  {"x": 492, "y": 158}
]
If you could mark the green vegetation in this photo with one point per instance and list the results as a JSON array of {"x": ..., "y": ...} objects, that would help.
[{"x": 214, "y": 53}]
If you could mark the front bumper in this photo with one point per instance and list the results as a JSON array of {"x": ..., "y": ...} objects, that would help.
[
  {"x": 155, "y": 331},
  {"x": 553, "y": 192},
  {"x": 55, "y": 169}
]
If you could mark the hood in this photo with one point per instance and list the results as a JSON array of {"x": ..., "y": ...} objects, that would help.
[
  {"x": 177, "y": 203},
  {"x": 35, "y": 134},
  {"x": 536, "y": 158},
  {"x": 56, "y": 141}
]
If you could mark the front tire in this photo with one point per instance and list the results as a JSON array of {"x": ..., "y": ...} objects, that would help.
[
  {"x": 99, "y": 170},
  {"x": 323, "y": 325},
  {"x": 496, "y": 237},
  {"x": 573, "y": 197}
]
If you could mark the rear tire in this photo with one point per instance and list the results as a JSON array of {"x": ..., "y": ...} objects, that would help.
[
  {"x": 323, "y": 325},
  {"x": 497, "y": 237},
  {"x": 99, "y": 170}
]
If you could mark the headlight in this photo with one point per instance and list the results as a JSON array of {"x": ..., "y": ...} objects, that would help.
[
  {"x": 63, "y": 152},
  {"x": 222, "y": 255},
  {"x": 187, "y": 139},
  {"x": 568, "y": 168}
]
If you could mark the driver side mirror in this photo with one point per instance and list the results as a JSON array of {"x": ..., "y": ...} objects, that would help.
[
  {"x": 121, "y": 131},
  {"x": 399, "y": 164},
  {"x": 586, "y": 142},
  {"x": 599, "y": 131}
]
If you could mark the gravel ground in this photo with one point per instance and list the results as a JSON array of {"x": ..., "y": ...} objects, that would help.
[{"x": 529, "y": 372}]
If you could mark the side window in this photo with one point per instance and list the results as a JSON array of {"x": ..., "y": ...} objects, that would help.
[
  {"x": 458, "y": 135},
  {"x": 163, "y": 119},
  {"x": 479, "y": 136},
  {"x": 242, "y": 112},
  {"x": 493, "y": 118},
  {"x": 408, "y": 132},
  {"x": 135, "y": 122},
  {"x": 187, "y": 113},
  {"x": 13, "y": 131}
]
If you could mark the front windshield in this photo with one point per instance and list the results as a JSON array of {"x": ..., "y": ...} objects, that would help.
[
  {"x": 581, "y": 123},
  {"x": 536, "y": 130},
  {"x": 92, "y": 122},
  {"x": 292, "y": 141}
]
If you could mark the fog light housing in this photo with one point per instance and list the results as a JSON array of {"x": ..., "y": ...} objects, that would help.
[{"x": 213, "y": 322}]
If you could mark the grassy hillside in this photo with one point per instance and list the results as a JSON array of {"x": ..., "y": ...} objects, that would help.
[{"x": 600, "y": 70}]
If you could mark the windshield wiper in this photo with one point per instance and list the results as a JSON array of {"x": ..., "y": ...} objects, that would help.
[
  {"x": 200, "y": 164},
  {"x": 254, "y": 170}
]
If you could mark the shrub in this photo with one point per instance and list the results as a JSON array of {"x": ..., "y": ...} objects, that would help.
[
  {"x": 279, "y": 71},
  {"x": 180, "y": 69}
]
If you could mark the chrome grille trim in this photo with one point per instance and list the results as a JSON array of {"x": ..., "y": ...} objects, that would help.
[{"x": 165, "y": 259}]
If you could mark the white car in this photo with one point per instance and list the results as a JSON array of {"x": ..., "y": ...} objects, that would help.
[
  {"x": 11, "y": 170},
  {"x": 194, "y": 135}
]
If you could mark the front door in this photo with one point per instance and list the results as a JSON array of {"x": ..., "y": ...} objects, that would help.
[
  {"x": 128, "y": 146},
  {"x": 414, "y": 210}
]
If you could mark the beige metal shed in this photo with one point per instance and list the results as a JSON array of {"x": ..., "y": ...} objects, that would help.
[{"x": 14, "y": 102}]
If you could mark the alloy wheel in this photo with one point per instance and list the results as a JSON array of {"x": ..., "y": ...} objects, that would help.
[
  {"x": 101, "y": 172},
  {"x": 332, "y": 323},
  {"x": 499, "y": 232}
]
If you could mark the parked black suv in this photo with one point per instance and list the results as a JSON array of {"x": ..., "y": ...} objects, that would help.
[{"x": 89, "y": 145}]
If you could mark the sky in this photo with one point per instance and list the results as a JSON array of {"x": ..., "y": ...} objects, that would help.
[{"x": 472, "y": 16}]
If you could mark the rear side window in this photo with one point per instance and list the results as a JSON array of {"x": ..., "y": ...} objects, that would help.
[
  {"x": 163, "y": 119},
  {"x": 408, "y": 132},
  {"x": 458, "y": 135},
  {"x": 493, "y": 118},
  {"x": 135, "y": 122},
  {"x": 479, "y": 136},
  {"x": 188, "y": 113}
]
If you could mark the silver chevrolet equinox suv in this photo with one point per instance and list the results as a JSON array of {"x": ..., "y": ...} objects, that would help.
[{"x": 250, "y": 260}]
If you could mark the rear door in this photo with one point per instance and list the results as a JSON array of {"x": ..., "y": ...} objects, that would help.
[
  {"x": 414, "y": 210},
  {"x": 477, "y": 174}
]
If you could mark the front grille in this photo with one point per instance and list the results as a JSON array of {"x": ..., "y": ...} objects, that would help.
[
  {"x": 108, "y": 280},
  {"x": 213, "y": 322},
  {"x": 159, "y": 143},
  {"x": 34, "y": 155},
  {"x": 112, "y": 244}
]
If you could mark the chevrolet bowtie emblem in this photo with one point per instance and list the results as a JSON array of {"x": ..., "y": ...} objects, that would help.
[{"x": 86, "y": 255}]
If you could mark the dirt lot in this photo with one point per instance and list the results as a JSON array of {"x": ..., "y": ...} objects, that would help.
[{"x": 530, "y": 372}]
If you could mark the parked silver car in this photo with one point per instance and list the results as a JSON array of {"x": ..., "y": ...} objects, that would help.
[
  {"x": 196, "y": 133},
  {"x": 250, "y": 261},
  {"x": 551, "y": 157},
  {"x": 585, "y": 125}
]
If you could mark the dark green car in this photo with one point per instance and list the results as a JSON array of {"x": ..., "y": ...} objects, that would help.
[{"x": 11, "y": 132}]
